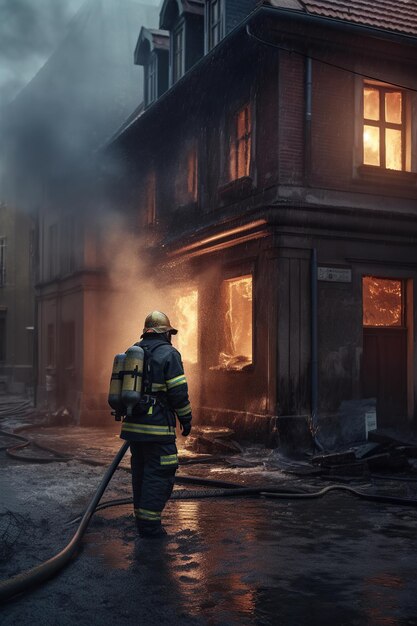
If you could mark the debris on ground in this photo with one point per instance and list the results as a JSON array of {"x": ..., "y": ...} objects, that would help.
[{"x": 212, "y": 440}]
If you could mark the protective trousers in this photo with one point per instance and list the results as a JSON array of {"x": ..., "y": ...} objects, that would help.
[{"x": 153, "y": 473}]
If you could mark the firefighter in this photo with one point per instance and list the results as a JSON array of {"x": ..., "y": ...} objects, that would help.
[{"x": 151, "y": 429}]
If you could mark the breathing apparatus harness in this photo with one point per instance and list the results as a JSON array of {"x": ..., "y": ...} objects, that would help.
[{"x": 130, "y": 382}]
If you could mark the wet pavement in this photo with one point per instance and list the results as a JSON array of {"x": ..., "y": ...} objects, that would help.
[{"x": 335, "y": 560}]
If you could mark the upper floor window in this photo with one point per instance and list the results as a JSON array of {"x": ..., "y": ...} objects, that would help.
[
  {"x": 240, "y": 144},
  {"x": 2, "y": 261},
  {"x": 187, "y": 175},
  {"x": 68, "y": 242},
  {"x": 214, "y": 27},
  {"x": 150, "y": 198},
  {"x": 50, "y": 345},
  {"x": 178, "y": 53},
  {"x": 53, "y": 251},
  {"x": 384, "y": 127},
  {"x": 151, "y": 78}
]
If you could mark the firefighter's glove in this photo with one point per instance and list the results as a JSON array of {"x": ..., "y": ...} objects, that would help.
[{"x": 186, "y": 428}]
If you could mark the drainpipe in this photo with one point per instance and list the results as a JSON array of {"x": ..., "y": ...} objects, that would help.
[
  {"x": 314, "y": 350},
  {"x": 307, "y": 121}
]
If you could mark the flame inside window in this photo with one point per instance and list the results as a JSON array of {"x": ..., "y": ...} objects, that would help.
[
  {"x": 237, "y": 300},
  {"x": 382, "y": 302},
  {"x": 383, "y": 129},
  {"x": 185, "y": 315}
]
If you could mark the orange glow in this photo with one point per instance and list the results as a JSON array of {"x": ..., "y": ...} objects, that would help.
[
  {"x": 192, "y": 174},
  {"x": 370, "y": 103},
  {"x": 393, "y": 149},
  {"x": 240, "y": 147},
  {"x": 371, "y": 154},
  {"x": 186, "y": 318},
  {"x": 237, "y": 294},
  {"x": 223, "y": 235},
  {"x": 382, "y": 302},
  {"x": 382, "y": 130}
]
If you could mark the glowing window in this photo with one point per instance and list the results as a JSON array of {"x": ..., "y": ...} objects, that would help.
[
  {"x": 240, "y": 144},
  {"x": 185, "y": 315},
  {"x": 150, "y": 197},
  {"x": 238, "y": 331},
  {"x": 186, "y": 182},
  {"x": 382, "y": 302},
  {"x": 383, "y": 127}
]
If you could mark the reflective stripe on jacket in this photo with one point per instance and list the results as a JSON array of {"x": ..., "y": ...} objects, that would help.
[{"x": 164, "y": 378}]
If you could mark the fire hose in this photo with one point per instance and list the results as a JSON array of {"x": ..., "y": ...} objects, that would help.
[{"x": 30, "y": 578}]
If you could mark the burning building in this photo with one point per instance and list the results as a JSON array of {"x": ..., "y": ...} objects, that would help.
[{"x": 271, "y": 174}]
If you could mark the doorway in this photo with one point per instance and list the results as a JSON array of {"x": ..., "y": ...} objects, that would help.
[{"x": 384, "y": 364}]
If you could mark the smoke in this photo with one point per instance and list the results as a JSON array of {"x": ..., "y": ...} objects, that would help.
[
  {"x": 29, "y": 32},
  {"x": 88, "y": 86}
]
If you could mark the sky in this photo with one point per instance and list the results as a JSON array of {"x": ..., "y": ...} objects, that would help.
[{"x": 29, "y": 32}]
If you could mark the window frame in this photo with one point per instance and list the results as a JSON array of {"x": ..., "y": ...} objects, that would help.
[
  {"x": 179, "y": 29},
  {"x": 150, "y": 198},
  {"x": 53, "y": 252},
  {"x": 403, "y": 316},
  {"x": 183, "y": 194},
  {"x": 232, "y": 272},
  {"x": 375, "y": 174},
  {"x": 209, "y": 26},
  {"x": 3, "y": 261},
  {"x": 151, "y": 78},
  {"x": 382, "y": 124},
  {"x": 235, "y": 142}
]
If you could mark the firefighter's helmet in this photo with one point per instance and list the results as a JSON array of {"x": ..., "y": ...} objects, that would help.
[{"x": 158, "y": 322}]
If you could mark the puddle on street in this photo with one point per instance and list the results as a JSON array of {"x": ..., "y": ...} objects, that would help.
[{"x": 246, "y": 561}]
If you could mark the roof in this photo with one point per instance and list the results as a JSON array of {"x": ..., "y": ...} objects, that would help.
[
  {"x": 388, "y": 21},
  {"x": 399, "y": 16},
  {"x": 150, "y": 39}
]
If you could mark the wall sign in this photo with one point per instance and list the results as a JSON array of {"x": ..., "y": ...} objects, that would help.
[{"x": 334, "y": 274}]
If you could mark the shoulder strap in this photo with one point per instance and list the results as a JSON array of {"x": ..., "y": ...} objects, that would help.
[{"x": 148, "y": 350}]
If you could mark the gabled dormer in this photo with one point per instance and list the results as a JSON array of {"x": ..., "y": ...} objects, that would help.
[
  {"x": 152, "y": 52},
  {"x": 222, "y": 16},
  {"x": 184, "y": 19}
]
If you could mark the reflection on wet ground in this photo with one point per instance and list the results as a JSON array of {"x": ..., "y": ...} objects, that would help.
[{"x": 336, "y": 561}]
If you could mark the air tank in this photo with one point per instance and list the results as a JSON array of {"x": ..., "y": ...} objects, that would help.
[
  {"x": 116, "y": 380},
  {"x": 132, "y": 379}
]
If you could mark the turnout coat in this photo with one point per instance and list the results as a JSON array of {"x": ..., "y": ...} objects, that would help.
[{"x": 165, "y": 396}]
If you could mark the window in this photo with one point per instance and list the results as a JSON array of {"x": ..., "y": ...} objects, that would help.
[
  {"x": 237, "y": 304},
  {"x": 151, "y": 82},
  {"x": 384, "y": 127},
  {"x": 185, "y": 314},
  {"x": 178, "y": 54},
  {"x": 50, "y": 345},
  {"x": 214, "y": 23},
  {"x": 68, "y": 263},
  {"x": 150, "y": 198},
  {"x": 68, "y": 344},
  {"x": 3, "y": 336},
  {"x": 240, "y": 144},
  {"x": 2, "y": 261},
  {"x": 383, "y": 302},
  {"x": 53, "y": 251},
  {"x": 187, "y": 176}
]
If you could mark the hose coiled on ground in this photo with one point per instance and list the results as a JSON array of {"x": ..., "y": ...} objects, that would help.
[
  {"x": 36, "y": 575},
  {"x": 40, "y": 573}
]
